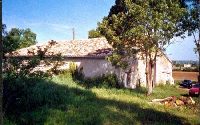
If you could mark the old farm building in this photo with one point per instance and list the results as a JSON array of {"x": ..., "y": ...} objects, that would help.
[{"x": 90, "y": 55}]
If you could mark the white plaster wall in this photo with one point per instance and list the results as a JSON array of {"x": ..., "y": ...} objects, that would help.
[
  {"x": 98, "y": 67},
  {"x": 164, "y": 71},
  {"x": 92, "y": 67},
  {"x": 141, "y": 72}
]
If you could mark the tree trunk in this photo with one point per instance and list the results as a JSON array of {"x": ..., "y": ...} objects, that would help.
[
  {"x": 154, "y": 71},
  {"x": 1, "y": 86},
  {"x": 198, "y": 51},
  {"x": 125, "y": 80},
  {"x": 149, "y": 77},
  {"x": 146, "y": 72},
  {"x": 197, "y": 42},
  {"x": 150, "y": 88},
  {"x": 199, "y": 66},
  {"x": 154, "y": 75}
]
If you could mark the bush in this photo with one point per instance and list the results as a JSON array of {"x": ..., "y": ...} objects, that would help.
[
  {"x": 110, "y": 80},
  {"x": 72, "y": 67},
  {"x": 17, "y": 82},
  {"x": 76, "y": 74},
  {"x": 107, "y": 81},
  {"x": 177, "y": 82}
]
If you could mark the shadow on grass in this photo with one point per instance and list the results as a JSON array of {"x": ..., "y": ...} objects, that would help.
[{"x": 45, "y": 102}]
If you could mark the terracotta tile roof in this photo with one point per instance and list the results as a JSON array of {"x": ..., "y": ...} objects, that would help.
[{"x": 95, "y": 47}]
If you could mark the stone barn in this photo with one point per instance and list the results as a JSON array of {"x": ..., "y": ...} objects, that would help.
[{"x": 90, "y": 55}]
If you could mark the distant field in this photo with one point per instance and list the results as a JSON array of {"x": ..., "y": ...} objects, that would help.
[{"x": 180, "y": 75}]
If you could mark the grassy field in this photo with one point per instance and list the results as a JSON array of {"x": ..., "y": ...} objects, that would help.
[
  {"x": 62, "y": 101},
  {"x": 181, "y": 75}
]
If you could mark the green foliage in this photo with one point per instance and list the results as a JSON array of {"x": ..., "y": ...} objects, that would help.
[
  {"x": 114, "y": 59},
  {"x": 21, "y": 84},
  {"x": 110, "y": 80},
  {"x": 191, "y": 23},
  {"x": 17, "y": 38},
  {"x": 141, "y": 26},
  {"x": 106, "y": 81},
  {"x": 94, "y": 34},
  {"x": 144, "y": 27},
  {"x": 11, "y": 40},
  {"x": 57, "y": 61},
  {"x": 28, "y": 38},
  {"x": 77, "y": 74},
  {"x": 4, "y": 30},
  {"x": 60, "y": 101},
  {"x": 17, "y": 78},
  {"x": 177, "y": 82},
  {"x": 72, "y": 68}
]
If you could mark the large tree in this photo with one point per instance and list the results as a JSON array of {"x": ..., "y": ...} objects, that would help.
[
  {"x": 17, "y": 38},
  {"x": 144, "y": 27},
  {"x": 191, "y": 23}
]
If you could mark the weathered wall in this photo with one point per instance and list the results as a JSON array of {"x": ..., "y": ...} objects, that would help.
[
  {"x": 91, "y": 67},
  {"x": 164, "y": 71},
  {"x": 132, "y": 76},
  {"x": 129, "y": 76},
  {"x": 141, "y": 72},
  {"x": 94, "y": 67}
]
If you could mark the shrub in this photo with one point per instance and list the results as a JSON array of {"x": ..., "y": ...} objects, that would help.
[
  {"x": 79, "y": 75},
  {"x": 110, "y": 80},
  {"x": 17, "y": 81},
  {"x": 72, "y": 67},
  {"x": 76, "y": 74},
  {"x": 107, "y": 81},
  {"x": 167, "y": 82},
  {"x": 177, "y": 82}
]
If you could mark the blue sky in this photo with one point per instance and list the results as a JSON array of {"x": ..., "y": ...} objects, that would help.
[{"x": 54, "y": 19}]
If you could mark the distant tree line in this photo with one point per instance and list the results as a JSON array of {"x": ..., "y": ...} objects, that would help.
[{"x": 179, "y": 66}]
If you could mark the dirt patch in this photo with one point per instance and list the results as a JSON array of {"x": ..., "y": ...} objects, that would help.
[{"x": 180, "y": 75}]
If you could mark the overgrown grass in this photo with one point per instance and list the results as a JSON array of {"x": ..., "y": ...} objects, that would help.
[{"x": 61, "y": 101}]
